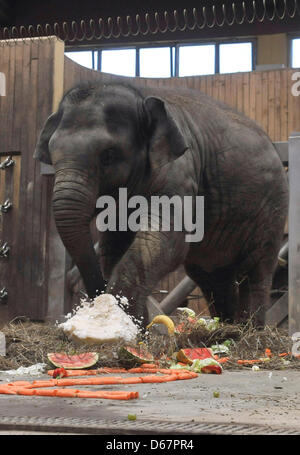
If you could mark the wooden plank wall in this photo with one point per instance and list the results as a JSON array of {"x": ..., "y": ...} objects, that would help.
[
  {"x": 28, "y": 67},
  {"x": 264, "y": 96}
]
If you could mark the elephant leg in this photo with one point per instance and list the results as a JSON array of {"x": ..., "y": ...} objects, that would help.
[
  {"x": 151, "y": 256},
  {"x": 202, "y": 279},
  {"x": 112, "y": 246},
  {"x": 219, "y": 287},
  {"x": 261, "y": 264},
  {"x": 259, "y": 296}
]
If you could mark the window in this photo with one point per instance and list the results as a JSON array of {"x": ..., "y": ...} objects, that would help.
[
  {"x": 84, "y": 58},
  {"x": 119, "y": 61},
  {"x": 295, "y": 53},
  {"x": 196, "y": 60},
  {"x": 235, "y": 57},
  {"x": 172, "y": 60},
  {"x": 155, "y": 62}
]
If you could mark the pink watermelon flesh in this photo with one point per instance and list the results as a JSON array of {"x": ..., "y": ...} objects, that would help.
[
  {"x": 73, "y": 362},
  {"x": 139, "y": 354}
]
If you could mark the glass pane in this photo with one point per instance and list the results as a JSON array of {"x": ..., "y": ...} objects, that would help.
[
  {"x": 296, "y": 53},
  {"x": 196, "y": 60},
  {"x": 84, "y": 58},
  {"x": 235, "y": 57},
  {"x": 118, "y": 61},
  {"x": 155, "y": 62}
]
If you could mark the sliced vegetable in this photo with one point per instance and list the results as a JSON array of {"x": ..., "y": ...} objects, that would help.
[
  {"x": 189, "y": 355},
  {"x": 76, "y": 361},
  {"x": 139, "y": 353}
]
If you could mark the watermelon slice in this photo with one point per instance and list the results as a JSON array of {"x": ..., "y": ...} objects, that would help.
[
  {"x": 139, "y": 353},
  {"x": 73, "y": 362},
  {"x": 189, "y": 355}
]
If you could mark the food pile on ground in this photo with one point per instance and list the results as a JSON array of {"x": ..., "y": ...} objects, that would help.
[
  {"x": 194, "y": 340},
  {"x": 100, "y": 321}
]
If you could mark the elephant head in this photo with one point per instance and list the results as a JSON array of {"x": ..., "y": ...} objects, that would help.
[{"x": 102, "y": 137}]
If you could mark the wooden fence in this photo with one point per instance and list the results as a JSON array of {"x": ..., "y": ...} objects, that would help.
[{"x": 34, "y": 272}]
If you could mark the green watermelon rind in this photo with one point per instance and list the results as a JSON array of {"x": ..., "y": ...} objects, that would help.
[
  {"x": 70, "y": 364},
  {"x": 128, "y": 351},
  {"x": 188, "y": 355}
]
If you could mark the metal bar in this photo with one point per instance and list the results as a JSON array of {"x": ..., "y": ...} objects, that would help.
[
  {"x": 283, "y": 150},
  {"x": 278, "y": 311},
  {"x": 177, "y": 295},
  {"x": 294, "y": 233}
]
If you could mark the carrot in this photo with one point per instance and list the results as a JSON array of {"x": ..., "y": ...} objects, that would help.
[
  {"x": 89, "y": 381},
  {"x": 66, "y": 393},
  {"x": 8, "y": 390},
  {"x": 131, "y": 380},
  {"x": 156, "y": 379},
  {"x": 41, "y": 383},
  {"x": 19, "y": 384},
  {"x": 112, "y": 370},
  {"x": 183, "y": 376},
  {"x": 135, "y": 370},
  {"x": 117, "y": 395},
  {"x": 169, "y": 377},
  {"x": 46, "y": 392},
  {"x": 25, "y": 391},
  {"x": 76, "y": 372},
  {"x": 90, "y": 372},
  {"x": 248, "y": 362},
  {"x": 223, "y": 359},
  {"x": 175, "y": 371},
  {"x": 105, "y": 381},
  {"x": 148, "y": 365}
]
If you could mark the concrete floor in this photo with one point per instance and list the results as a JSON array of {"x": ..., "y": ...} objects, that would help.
[{"x": 245, "y": 397}]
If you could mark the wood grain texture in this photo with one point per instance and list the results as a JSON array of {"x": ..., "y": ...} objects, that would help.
[{"x": 36, "y": 76}]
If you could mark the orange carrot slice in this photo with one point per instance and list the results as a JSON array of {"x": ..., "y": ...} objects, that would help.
[
  {"x": 223, "y": 359},
  {"x": 19, "y": 384},
  {"x": 25, "y": 391},
  {"x": 8, "y": 390},
  {"x": 41, "y": 383},
  {"x": 112, "y": 370},
  {"x": 45, "y": 392},
  {"x": 130, "y": 380}
]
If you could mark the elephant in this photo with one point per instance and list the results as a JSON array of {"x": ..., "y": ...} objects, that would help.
[{"x": 166, "y": 141}]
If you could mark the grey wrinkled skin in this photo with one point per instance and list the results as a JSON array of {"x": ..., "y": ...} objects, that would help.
[{"x": 167, "y": 142}]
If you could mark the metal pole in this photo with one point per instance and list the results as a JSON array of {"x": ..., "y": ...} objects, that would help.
[
  {"x": 177, "y": 295},
  {"x": 294, "y": 233}
]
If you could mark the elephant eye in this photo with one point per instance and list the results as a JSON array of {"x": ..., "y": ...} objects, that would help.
[{"x": 108, "y": 157}]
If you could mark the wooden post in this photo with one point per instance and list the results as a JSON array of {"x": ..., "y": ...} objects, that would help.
[{"x": 294, "y": 233}]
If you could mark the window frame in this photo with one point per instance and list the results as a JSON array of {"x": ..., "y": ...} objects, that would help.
[
  {"x": 174, "y": 55},
  {"x": 291, "y": 37}
]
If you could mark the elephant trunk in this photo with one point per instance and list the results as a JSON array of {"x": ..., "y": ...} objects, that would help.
[{"x": 74, "y": 202}]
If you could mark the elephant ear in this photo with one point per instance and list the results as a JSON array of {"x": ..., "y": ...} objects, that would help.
[
  {"x": 42, "y": 150},
  {"x": 166, "y": 142}
]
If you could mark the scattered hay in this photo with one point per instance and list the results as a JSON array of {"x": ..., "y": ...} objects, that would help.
[{"x": 29, "y": 343}]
